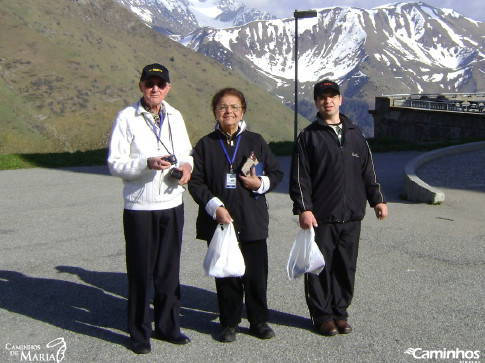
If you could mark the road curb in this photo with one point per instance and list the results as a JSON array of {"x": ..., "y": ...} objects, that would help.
[{"x": 415, "y": 189}]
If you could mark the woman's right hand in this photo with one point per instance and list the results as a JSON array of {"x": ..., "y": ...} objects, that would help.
[{"x": 223, "y": 216}]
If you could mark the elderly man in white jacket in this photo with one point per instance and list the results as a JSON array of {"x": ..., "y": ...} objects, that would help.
[{"x": 150, "y": 151}]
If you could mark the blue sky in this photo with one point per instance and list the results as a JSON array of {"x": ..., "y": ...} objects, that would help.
[{"x": 473, "y": 9}]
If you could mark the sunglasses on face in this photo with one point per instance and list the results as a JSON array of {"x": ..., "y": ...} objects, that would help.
[{"x": 159, "y": 84}]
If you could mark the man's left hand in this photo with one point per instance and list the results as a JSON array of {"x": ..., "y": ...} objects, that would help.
[
  {"x": 186, "y": 170},
  {"x": 381, "y": 210}
]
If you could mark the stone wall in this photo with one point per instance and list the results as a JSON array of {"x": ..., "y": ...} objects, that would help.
[{"x": 417, "y": 125}]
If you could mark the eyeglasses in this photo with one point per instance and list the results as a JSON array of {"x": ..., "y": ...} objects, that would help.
[
  {"x": 151, "y": 84},
  {"x": 224, "y": 108}
]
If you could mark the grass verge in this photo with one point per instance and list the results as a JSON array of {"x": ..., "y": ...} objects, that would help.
[
  {"x": 53, "y": 160},
  {"x": 98, "y": 157}
]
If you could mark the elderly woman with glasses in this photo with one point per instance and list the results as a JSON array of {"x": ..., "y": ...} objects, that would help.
[{"x": 225, "y": 192}]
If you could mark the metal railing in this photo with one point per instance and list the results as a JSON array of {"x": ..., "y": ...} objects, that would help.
[{"x": 455, "y": 102}]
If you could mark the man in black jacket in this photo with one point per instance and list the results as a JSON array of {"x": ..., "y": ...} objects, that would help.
[{"x": 332, "y": 177}]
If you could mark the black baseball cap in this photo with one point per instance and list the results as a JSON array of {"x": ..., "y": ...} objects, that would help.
[
  {"x": 323, "y": 86},
  {"x": 155, "y": 70}
]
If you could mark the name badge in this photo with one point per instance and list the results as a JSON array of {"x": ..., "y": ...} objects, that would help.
[{"x": 231, "y": 181}]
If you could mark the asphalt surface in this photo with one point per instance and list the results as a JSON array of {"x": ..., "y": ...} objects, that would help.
[{"x": 420, "y": 275}]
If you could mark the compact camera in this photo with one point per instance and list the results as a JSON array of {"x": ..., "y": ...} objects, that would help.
[
  {"x": 171, "y": 159},
  {"x": 175, "y": 173}
]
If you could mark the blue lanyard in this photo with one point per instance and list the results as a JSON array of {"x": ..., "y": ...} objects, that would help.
[
  {"x": 162, "y": 118},
  {"x": 159, "y": 134},
  {"x": 231, "y": 161}
]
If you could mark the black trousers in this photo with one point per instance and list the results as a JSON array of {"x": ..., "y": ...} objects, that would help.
[
  {"x": 153, "y": 246},
  {"x": 253, "y": 286},
  {"x": 329, "y": 294}
]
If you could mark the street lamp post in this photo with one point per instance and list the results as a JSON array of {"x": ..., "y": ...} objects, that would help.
[{"x": 299, "y": 15}]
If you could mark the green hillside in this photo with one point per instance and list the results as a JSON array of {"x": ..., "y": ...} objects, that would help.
[{"x": 68, "y": 66}]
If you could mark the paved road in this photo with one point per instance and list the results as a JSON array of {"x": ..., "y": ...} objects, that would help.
[{"x": 420, "y": 279}]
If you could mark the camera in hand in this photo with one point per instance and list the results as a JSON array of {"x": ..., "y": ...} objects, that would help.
[
  {"x": 175, "y": 173},
  {"x": 171, "y": 159}
]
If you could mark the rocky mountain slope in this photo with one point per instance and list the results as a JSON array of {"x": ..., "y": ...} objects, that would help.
[
  {"x": 402, "y": 47},
  {"x": 68, "y": 66}
]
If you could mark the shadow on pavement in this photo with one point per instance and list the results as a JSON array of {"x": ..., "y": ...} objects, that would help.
[
  {"x": 68, "y": 305},
  {"x": 97, "y": 307}
]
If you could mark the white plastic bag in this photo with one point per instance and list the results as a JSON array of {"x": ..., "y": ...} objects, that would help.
[
  {"x": 223, "y": 257},
  {"x": 305, "y": 256}
]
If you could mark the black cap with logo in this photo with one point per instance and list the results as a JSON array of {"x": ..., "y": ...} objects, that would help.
[
  {"x": 156, "y": 70},
  {"x": 323, "y": 86}
]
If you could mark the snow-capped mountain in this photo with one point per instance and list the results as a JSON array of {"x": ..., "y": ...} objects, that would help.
[
  {"x": 184, "y": 16},
  {"x": 426, "y": 48},
  {"x": 395, "y": 48}
]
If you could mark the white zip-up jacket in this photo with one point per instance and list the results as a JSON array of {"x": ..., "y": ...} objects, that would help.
[{"x": 134, "y": 138}]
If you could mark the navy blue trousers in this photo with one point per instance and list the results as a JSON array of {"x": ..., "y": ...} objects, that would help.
[
  {"x": 252, "y": 287},
  {"x": 153, "y": 246},
  {"x": 329, "y": 294}
]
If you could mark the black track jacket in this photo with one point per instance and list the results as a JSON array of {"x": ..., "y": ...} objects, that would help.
[{"x": 331, "y": 180}]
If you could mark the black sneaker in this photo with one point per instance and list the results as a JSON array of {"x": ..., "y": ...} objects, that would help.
[
  {"x": 228, "y": 334},
  {"x": 262, "y": 331},
  {"x": 141, "y": 347},
  {"x": 179, "y": 339}
]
